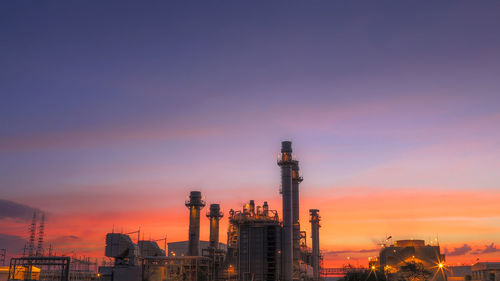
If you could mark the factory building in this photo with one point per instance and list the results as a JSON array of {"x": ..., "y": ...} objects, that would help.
[
  {"x": 260, "y": 245},
  {"x": 486, "y": 271},
  {"x": 254, "y": 243},
  {"x": 407, "y": 251},
  {"x": 180, "y": 248}
]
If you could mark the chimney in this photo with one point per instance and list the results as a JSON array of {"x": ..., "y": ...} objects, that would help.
[
  {"x": 296, "y": 180},
  {"x": 195, "y": 204},
  {"x": 315, "y": 218},
  {"x": 286, "y": 163},
  {"x": 214, "y": 215}
]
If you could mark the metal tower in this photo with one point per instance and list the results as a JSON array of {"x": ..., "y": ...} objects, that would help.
[
  {"x": 41, "y": 233},
  {"x": 214, "y": 215},
  {"x": 3, "y": 253},
  {"x": 296, "y": 180},
  {"x": 286, "y": 163},
  {"x": 315, "y": 219},
  {"x": 31, "y": 241},
  {"x": 194, "y": 204}
]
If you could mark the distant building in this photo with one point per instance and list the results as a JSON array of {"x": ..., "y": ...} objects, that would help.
[
  {"x": 486, "y": 271},
  {"x": 180, "y": 248},
  {"x": 459, "y": 273},
  {"x": 406, "y": 251}
]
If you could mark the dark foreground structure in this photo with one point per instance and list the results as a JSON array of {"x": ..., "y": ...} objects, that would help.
[
  {"x": 426, "y": 261},
  {"x": 260, "y": 245}
]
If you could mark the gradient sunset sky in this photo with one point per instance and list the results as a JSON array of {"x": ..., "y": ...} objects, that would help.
[{"x": 111, "y": 112}]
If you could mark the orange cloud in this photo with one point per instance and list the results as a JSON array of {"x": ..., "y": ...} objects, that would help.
[{"x": 353, "y": 219}]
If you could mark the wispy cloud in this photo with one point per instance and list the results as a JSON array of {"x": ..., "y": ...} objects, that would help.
[
  {"x": 492, "y": 248},
  {"x": 14, "y": 210},
  {"x": 351, "y": 251},
  {"x": 464, "y": 249},
  {"x": 14, "y": 244}
]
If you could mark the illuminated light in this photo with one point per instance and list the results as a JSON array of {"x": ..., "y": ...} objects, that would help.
[
  {"x": 373, "y": 267},
  {"x": 98, "y": 275},
  {"x": 441, "y": 265}
]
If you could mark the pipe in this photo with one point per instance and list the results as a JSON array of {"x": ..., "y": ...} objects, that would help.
[
  {"x": 286, "y": 163},
  {"x": 315, "y": 219},
  {"x": 195, "y": 204},
  {"x": 296, "y": 180},
  {"x": 214, "y": 215}
]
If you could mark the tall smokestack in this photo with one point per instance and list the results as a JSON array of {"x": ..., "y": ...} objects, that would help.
[
  {"x": 195, "y": 204},
  {"x": 315, "y": 218},
  {"x": 286, "y": 164},
  {"x": 296, "y": 180},
  {"x": 214, "y": 215}
]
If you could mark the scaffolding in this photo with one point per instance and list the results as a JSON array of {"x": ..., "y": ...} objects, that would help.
[
  {"x": 30, "y": 268},
  {"x": 189, "y": 268}
]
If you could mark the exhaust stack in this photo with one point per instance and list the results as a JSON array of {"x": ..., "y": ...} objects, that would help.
[
  {"x": 286, "y": 163},
  {"x": 194, "y": 204},
  {"x": 315, "y": 219},
  {"x": 214, "y": 215},
  {"x": 296, "y": 180}
]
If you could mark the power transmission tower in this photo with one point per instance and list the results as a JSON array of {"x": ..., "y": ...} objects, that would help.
[
  {"x": 32, "y": 229},
  {"x": 41, "y": 229},
  {"x": 3, "y": 252}
]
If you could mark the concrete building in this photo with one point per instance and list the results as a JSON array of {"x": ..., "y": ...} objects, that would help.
[
  {"x": 486, "y": 271},
  {"x": 459, "y": 273},
  {"x": 406, "y": 251}
]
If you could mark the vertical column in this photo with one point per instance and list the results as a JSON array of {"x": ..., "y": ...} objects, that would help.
[
  {"x": 296, "y": 180},
  {"x": 315, "y": 218},
  {"x": 286, "y": 184},
  {"x": 214, "y": 215},
  {"x": 194, "y": 204}
]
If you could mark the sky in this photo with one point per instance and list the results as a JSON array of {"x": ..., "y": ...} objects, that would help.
[{"x": 111, "y": 112}]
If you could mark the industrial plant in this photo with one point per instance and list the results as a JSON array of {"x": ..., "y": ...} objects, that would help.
[{"x": 260, "y": 245}]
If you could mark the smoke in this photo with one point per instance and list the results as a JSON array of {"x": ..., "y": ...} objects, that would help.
[
  {"x": 459, "y": 251},
  {"x": 10, "y": 209}
]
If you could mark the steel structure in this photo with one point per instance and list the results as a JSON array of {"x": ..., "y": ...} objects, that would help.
[
  {"x": 254, "y": 243},
  {"x": 296, "y": 180},
  {"x": 3, "y": 253},
  {"x": 193, "y": 268},
  {"x": 41, "y": 233},
  {"x": 286, "y": 163},
  {"x": 32, "y": 230},
  {"x": 194, "y": 204},
  {"x": 315, "y": 219},
  {"x": 214, "y": 215},
  {"x": 58, "y": 265},
  {"x": 260, "y": 246}
]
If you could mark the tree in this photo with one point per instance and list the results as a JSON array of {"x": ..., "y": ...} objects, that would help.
[
  {"x": 412, "y": 271},
  {"x": 364, "y": 275}
]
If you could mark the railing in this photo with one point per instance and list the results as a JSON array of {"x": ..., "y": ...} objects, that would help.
[{"x": 331, "y": 271}]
